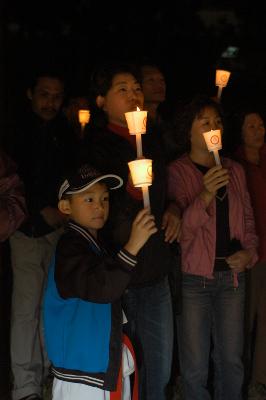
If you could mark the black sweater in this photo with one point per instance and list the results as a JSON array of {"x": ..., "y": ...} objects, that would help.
[
  {"x": 110, "y": 153},
  {"x": 43, "y": 151}
]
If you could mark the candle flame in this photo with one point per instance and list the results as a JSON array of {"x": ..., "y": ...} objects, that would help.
[{"x": 138, "y": 109}]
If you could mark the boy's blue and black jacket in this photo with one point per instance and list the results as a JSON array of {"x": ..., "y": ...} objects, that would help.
[{"x": 82, "y": 309}]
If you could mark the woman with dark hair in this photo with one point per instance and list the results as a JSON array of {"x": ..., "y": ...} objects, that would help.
[
  {"x": 252, "y": 155},
  {"x": 218, "y": 242},
  {"x": 147, "y": 301}
]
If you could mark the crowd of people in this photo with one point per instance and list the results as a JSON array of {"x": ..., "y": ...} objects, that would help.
[{"x": 111, "y": 300}]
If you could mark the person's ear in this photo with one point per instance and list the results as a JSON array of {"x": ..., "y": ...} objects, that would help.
[
  {"x": 29, "y": 94},
  {"x": 64, "y": 206},
  {"x": 100, "y": 101}
]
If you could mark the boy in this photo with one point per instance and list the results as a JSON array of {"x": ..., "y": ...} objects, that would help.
[{"x": 82, "y": 311}]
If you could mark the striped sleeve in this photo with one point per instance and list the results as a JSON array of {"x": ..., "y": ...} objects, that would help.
[{"x": 127, "y": 258}]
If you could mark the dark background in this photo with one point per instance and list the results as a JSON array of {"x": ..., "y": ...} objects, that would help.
[{"x": 186, "y": 38}]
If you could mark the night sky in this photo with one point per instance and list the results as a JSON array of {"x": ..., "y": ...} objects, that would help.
[{"x": 187, "y": 39}]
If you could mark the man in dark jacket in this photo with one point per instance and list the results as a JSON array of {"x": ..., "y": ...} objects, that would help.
[{"x": 43, "y": 147}]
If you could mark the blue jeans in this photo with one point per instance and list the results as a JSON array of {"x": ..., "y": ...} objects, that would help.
[
  {"x": 212, "y": 309},
  {"x": 150, "y": 327}
]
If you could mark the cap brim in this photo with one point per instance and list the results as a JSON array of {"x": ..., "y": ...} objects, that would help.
[{"x": 112, "y": 182}]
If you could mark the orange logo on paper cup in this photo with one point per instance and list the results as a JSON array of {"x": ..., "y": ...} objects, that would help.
[
  {"x": 222, "y": 77},
  {"x": 215, "y": 139}
]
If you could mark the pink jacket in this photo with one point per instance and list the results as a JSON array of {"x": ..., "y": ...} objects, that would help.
[{"x": 198, "y": 232}]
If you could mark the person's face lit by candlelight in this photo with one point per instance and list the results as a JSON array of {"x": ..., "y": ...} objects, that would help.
[
  {"x": 253, "y": 131},
  {"x": 206, "y": 120},
  {"x": 46, "y": 97},
  {"x": 125, "y": 94},
  {"x": 153, "y": 84}
]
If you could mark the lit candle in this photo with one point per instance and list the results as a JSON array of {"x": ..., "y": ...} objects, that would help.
[
  {"x": 221, "y": 80},
  {"x": 139, "y": 145},
  {"x": 146, "y": 197},
  {"x": 84, "y": 118},
  {"x": 214, "y": 143},
  {"x": 136, "y": 122},
  {"x": 141, "y": 173}
]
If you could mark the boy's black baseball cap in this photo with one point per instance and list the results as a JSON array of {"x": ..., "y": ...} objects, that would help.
[{"x": 85, "y": 177}]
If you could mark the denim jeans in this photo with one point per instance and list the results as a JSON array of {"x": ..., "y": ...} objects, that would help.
[
  {"x": 212, "y": 312},
  {"x": 150, "y": 327}
]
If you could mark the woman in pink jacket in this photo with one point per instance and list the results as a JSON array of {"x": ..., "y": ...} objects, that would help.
[{"x": 218, "y": 242}]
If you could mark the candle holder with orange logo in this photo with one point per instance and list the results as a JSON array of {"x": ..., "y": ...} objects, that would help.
[
  {"x": 214, "y": 143},
  {"x": 141, "y": 173},
  {"x": 136, "y": 122},
  {"x": 221, "y": 80}
]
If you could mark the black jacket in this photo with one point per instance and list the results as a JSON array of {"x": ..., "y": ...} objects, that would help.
[
  {"x": 82, "y": 309},
  {"x": 110, "y": 153},
  {"x": 43, "y": 152}
]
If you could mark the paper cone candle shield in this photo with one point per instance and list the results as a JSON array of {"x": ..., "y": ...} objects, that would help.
[
  {"x": 136, "y": 121},
  {"x": 213, "y": 140},
  {"x": 222, "y": 77},
  {"x": 84, "y": 117},
  {"x": 141, "y": 172}
]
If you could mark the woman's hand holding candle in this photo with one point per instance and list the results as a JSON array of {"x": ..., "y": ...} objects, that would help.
[{"x": 213, "y": 180}]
